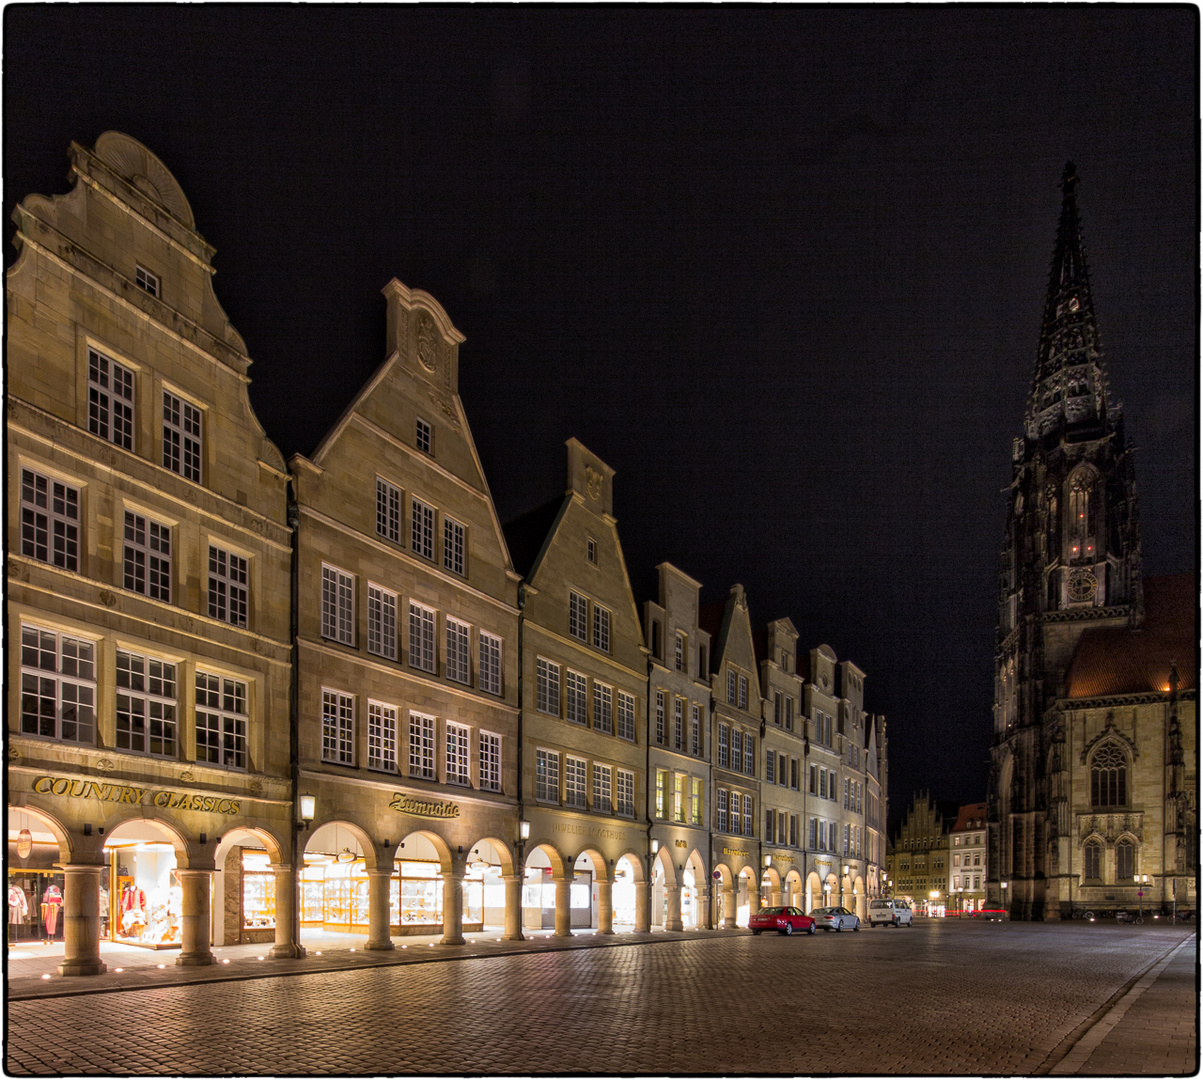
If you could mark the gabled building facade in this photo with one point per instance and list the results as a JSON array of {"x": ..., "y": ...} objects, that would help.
[
  {"x": 407, "y": 657},
  {"x": 584, "y": 711},
  {"x": 919, "y": 873},
  {"x": 966, "y": 883},
  {"x": 148, "y": 570}
]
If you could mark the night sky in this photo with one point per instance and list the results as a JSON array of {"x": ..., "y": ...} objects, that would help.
[{"x": 781, "y": 267}]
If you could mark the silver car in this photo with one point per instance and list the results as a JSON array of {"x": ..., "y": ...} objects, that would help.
[{"x": 835, "y": 918}]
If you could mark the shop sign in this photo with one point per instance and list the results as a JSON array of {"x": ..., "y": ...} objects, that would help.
[
  {"x": 597, "y": 832},
  {"x": 133, "y": 796},
  {"x": 403, "y": 804},
  {"x": 681, "y": 843},
  {"x": 735, "y": 851}
]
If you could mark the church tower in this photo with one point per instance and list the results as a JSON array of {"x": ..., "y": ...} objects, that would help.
[{"x": 1070, "y": 562}]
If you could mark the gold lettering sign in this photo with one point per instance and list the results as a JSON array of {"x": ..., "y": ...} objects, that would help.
[
  {"x": 681, "y": 843},
  {"x": 403, "y": 804},
  {"x": 133, "y": 796}
]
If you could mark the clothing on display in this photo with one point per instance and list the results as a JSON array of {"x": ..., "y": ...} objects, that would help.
[
  {"x": 52, "y": 900},
  {"x": 18, "y": 911}
]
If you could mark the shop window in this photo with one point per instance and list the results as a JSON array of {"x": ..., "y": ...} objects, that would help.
[
  {"x": 489, "y": 668},
  {"x": 146, "y": 557},
  {"x": 626, "y": 716},
  {"x": 388, "y": 511},
  {"x": 147, "y": 902},
  {"x": 228, "y": 591},
  {"x": 258, "y": 892},
  {"x": 183, "y": 437},
  {"x": 58, "y": 686},
  {"x": 146, "y": 705},
  {"x": 49, "y": 520},
  {"x": 110, "y": 400}
]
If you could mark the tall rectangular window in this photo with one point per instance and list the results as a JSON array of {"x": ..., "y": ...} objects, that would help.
[
  {"x": 778, "y": 708},
  {"x": 789, "y": 713},
  {"x": 489, "y": 668},
  {"x": 660, "y": 734},
  {"x": 388, "y": 511},
  {"x": 49, "y": 520},
  {"x": 625, "y": 793},
  {"x": 110, "y": 400},
  {"x": 720, "y": 809},
  {"x": 221, "y": 721},
  {"x": 750, "y": 754},
  {"x": 146, "y": 557},
  {"x": 831, "y": 827},
  {"x": 770, "y": 763},
  {"x": 338, "y": 727},
  {"x": 737, "y": 749},
  {"x": 813, "y": 838},
  {"x": 576, "y": 698},
  {"x": 578, "y": 616},
  {"x": 679, "y": 797},
  {"x": 228, "y": 591},
  {"x": 574, "y": 782},
  {"x": 626, "y": 716},
  {"x": 457, "y": 754},
  {"x": 601, "y": 628},
  {"x": 730, "y": 687},
  {"x": 722, "y": 745},
  {"x": 695, "y": 731},
  {"x": 770, "y": 826},
  {"x": 603, "y": 708},
  {"x": 421, "y": 746},
  {"x": 748, "y": 812},
  {"x": 696, "y": 816},
  {"x": 547, "y": 687},
  {"x": 490, "y": 761},
  {"x": 58, "y": 686},
  {"x": 382, "y": 736},
  {"x": 793, "y": 830},
  {"x": 421, "y": 638},
  {"x": 547, "y": 776},
  {"x": 453, "y": 546},
  {"x": 146, "y": 705},
  {"x": 422, "y": 529},
  {"x": 678, "y": 723},
  {"x": 382, "y": 622},
  {"x": 422, "y": 436},
  {"x": 601, "y": 789},
  {"x": 338, "y": 605},
  {"x": 743, "y": 691},
  {"x": 794, "y": 778},
  {"x": 183, "y": 437},
  {"x": 679, "y": 656},
  {"x": 661, "y": 793},
  {"x": 458, "y": 652}
]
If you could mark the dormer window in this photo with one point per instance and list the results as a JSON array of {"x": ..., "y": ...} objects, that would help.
[{"x": 146, "y": 281}]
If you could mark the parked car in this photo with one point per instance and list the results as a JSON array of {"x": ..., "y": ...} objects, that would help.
[
  {"x": 785, "y": 920},
  {"x": 835, "y": 918},
  {"x": 890, "y": 912}
]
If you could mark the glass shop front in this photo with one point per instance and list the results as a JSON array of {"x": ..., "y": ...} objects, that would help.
[{"x": 142, "y": 896}]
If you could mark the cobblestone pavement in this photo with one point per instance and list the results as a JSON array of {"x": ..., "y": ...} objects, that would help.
[{"x": 945, "y": 998}]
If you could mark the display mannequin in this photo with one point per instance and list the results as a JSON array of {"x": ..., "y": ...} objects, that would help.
[
  {"x": 18, "y": 910},
  {"x": 103, "y": 904},
  {"x": 52, "y": 900}
]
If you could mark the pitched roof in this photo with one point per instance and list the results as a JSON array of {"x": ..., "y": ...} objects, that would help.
[
  {"x": 1119, "y": 661},
  {"x": 968, "y": 813}
]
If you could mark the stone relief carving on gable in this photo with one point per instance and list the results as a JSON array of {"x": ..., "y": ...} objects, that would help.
[
  {"x": 428, "y": 345},
  {"x": 593, "y": 482}
]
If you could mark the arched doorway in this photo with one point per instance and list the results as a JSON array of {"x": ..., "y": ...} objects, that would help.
[
  {"x": 814, "y": 892},
  {"x": 746, "y": 896},
  {"x": 626, "y": 883},
  {"x": 36, "y": 883},
  {"x": 542, "y": 867},
  {"x": 693, "y": 892},
  {"x": 724, "y": 902},
  {"x": 858, "y": 896},
  {"x": 792, "y": 895},
  {"x": 334, "y": 886},
  {"x": 245, "y": 883},
  {"x": 141, "y": 886},
  {"x": 484, "y": 886},
  {"x": 770, "y": 888}
]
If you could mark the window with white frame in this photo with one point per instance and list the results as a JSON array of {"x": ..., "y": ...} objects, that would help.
[
  {"x": 695, "y": 731},
  {"x": 793, "y": 830},
  {"x": 221, "y": 721},
  {"x": 731, "y": 682},
  {"x": 338, "y": 605},
  {"x": 680, "y": 652},
  {"x": 678, "y": 723},
  {"x": 770, "y": 825},
  {"x": 722, "y": 745},
  {"x": 421, "y": 638},
  {"x": 720, "y": 809},
  {"x": 490, "y": 761},
  {"x": 601, "y": 788},
  {"x": 228, "y": 592},
  {"x": 146, "y": 281},
  {"x": 770, "y": 766},
  {"x": 110, "y": 400},
  {"x": 422, "y": 529},
  {"x": 578, "y": 616},
  {"x": 601, "y": 628},
  {"x": 750, "y": 754},
  {"x": 626, "y": 716},
  {"x": 660, "y": 734},
  {"x": 576, "y": 698},
  {"x": 547, "y": 687},
  {"x": 697, "y": 809},
  {"x": 489, "y": 668},
  {"x": 49, "y": 520},
  {"x": 453, "y": 546},
  {"x": 183, "y": 437},
  {"x": 458, "y": 651},
  {"x": 146, "y": 557},
  {"x": 831, "y": 836},
  {"x": 146, "y": 705},
  {"x": 662, "y": 793},
  {"x": 421, "y": 746},
  {"x": 338, "y": 727},
  {"x": 382, "y": 622},
  {"x": 58, "y": 686},
  {"x": 813, "y": 836},
  {"x": 423, "y": 439},
  {"x": 388, "y": 511},
  {"x": 789, "y": 713},
  {"x": 547, "y": 776},
  {"x": 603, "y": 708},
  {"x": 624, "y": 804},
  {"x": 743, "y": 691},
  {"x": 457, "y": 754},
  {"x": 749, "y": 810},
  {"x": 382, "y": 736},
  {"x": 679, "y": 797},
  {"x": 737, "y": 749}
]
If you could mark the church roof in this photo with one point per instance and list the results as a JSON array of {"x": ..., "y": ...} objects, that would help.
[{"x": 1119, "y": 661}]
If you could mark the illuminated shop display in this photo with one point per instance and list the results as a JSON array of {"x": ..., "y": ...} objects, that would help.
[
  {"x": 145, "y": 898},
  {"x": 258, "y": 892}
]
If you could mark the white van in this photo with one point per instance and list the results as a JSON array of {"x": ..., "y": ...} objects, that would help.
[{"x": 891, "y": 912}]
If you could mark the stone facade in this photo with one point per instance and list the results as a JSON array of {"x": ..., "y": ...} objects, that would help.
[
  {"x": 921, "y": 857},
  {"x": 968, "y": 860}
]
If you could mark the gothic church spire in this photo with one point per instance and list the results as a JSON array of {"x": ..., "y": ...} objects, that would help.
[{"x": 1070, "y": 394}]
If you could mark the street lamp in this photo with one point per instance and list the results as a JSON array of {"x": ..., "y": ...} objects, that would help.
[
  {"x": 933, "y": 896},
  {"x": 1141, "y": 881},
  {"x": 960, "y": 899},
  {"x": 308, "y": 810}
]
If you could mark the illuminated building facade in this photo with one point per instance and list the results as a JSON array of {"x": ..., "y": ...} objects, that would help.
[{"x": 966, "y": 881}]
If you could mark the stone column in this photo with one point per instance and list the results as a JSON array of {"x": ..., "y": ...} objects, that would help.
[
  {"x": 703, "y": 894},
  {"x": 729, "y": 907},
  {"x": 605, "y": 906},
  {"x": 286, "y": 946},
  {"x": 379, "y": 932},
  {"x": 81, "y": 920},
  {"x": 513, "y": 907},
  {"x": 564, "y": 905},
  {"x": 672, "y": 919},
  {"x": 453, "y": 904},
  {"x": 194, "y": 922},
  {"x": 753, "y": 898},
  {"x": 643, "y": 907},
  {"x": 775, "y": 897}
]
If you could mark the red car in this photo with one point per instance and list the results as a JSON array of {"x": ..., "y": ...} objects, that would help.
[{"x": 785, "y": 920}]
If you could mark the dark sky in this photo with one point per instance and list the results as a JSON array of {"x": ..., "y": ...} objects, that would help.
[{"x": 782, "y": 267}]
